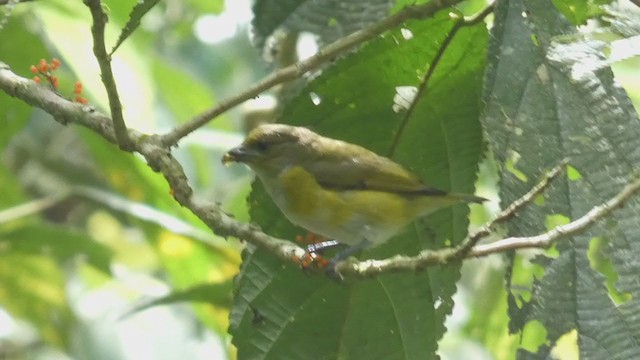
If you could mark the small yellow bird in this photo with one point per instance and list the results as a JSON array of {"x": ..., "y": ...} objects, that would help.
[{"x": 336, "y": 189}]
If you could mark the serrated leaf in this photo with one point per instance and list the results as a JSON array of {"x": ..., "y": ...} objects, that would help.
[
  {"x": 138, "y": 11},
  {"x": 279, "y": 312},
  {"x": 329, "y": 19},
  {"x": 540, "y": 109}
]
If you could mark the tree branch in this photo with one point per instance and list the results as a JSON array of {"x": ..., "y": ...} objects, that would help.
[
  {"x": 104, "y": 61},
  {"x": 427, "y": 258},
  {"x": 159, "y": 158},
  {"x": 296, "y": 70},
  {"x": 513, "y": 209},
  {"x": 573, "y": 228}
]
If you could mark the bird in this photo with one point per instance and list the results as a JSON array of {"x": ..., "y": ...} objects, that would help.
[{"x": 339, "y": 190}]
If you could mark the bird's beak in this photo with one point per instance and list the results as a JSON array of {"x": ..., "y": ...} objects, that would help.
[{"x": 238, "y": 154}]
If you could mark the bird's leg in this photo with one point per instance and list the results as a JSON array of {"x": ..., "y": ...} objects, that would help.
[
  {"x": 344, "y": 254},
  {"x": 314, "y": 245},
  {"x": 319, "y": 246}
]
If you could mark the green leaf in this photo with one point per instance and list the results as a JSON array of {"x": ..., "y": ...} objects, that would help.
[
  {"x": 328, "y": 19},
  {"x": 579, "y": 11},
  {"x": 138, "y": 11},
  {"x": 183, "y": 93},
  {"x": 12, "y": 191},
  {"x": 207, "y": 6},
  {"x": 33, "y": 290},
  {"x": 61, "y": 243},
  {"x": 280, "y": 312},
  {"x": 540, "y": 106},
  {"x": 19, "y": 48}
]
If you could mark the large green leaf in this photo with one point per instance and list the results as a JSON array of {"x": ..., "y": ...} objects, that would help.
[
  {"x": 281, "y": 313},
  {"x": 541, "y": 108},
  {"x": 329, "y": 19}
]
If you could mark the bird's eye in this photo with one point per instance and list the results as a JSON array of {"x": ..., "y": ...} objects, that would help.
[{"x": 261, "y": 145}]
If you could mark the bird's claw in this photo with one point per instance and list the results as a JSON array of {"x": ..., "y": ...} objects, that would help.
[{"x": 332, "y": 272}]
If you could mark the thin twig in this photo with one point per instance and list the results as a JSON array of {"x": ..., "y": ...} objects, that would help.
[
  {"x": 459, "y": 24},
  {"x": 512, "y": 210},
  {"x": 104, "y": 61},
  {"x": 573, "y": 228},
  {"x": 427, "y": 258},
  {"x": 296, "y": 70},
  {"x": 31, "y": 207}
]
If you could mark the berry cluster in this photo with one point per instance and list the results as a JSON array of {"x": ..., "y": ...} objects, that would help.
[
  {"x": 77, "y": 89},
  {"x": 44, "y": 70}
]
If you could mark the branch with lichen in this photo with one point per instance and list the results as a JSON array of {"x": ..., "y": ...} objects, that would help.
[
  {"x": 156, "y": 150},
  {"x": 298, "y": 69},
  {"x": 427, "y": 258},
  {"x": 159, "y": 158},
  {"x": 104, "y": 62}
]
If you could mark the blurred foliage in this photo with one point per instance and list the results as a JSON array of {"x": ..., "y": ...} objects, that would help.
[{"x": 97, "y": 258}]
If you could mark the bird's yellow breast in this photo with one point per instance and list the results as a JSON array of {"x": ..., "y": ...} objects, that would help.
[{"x": 345, "y": 215}]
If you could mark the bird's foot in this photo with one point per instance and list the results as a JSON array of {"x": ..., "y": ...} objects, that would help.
[
  {"x": 331, "y": 270},
  {"x": 315, "y": 245},
  {"x": 312, "y": 260}
]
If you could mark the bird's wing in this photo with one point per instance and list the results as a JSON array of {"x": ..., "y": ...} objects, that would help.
[{"x": 359, "y": 168}]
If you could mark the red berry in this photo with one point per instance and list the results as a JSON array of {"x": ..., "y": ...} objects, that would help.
[
  {"x": 43, "y": 66},
  {"x": 36, "y": 79},
  {"x": 54, "y": 82},
  {"x": 33, "y": 69},
  {"x": 77, "y": 88},
  {"x": 55, "y": 63}
]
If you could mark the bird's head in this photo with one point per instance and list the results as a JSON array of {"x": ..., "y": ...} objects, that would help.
[{"x": 271, "y": 148}]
